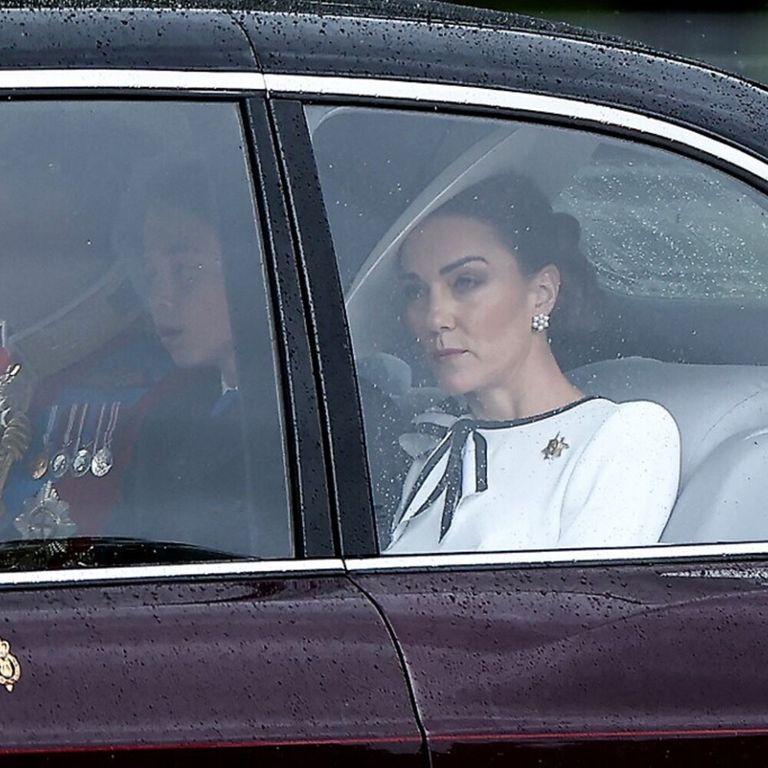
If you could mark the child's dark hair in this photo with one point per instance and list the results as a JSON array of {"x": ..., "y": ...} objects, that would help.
[{"x": 182, "y": 186}]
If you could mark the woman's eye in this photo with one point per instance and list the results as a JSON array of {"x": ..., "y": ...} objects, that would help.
[
  {"x": 467, "y": 282},
  {"x": 412, "y": 291}
]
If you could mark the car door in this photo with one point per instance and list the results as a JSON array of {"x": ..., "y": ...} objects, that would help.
[
  {"x": 650, "y": 653},
  {"x": 169, "y": 582}
]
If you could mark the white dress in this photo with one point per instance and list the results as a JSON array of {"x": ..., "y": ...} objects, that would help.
[{"x": 592, "y": 474}]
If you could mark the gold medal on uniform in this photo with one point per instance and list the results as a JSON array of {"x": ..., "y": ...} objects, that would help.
[
  {"x": 39, "y": 466},
  {"x": 42, "y": 461}
]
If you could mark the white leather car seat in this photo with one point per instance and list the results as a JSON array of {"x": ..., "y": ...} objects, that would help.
[{"x": 722, "y": 414}]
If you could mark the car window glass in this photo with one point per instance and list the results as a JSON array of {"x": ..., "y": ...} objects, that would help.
[
  {"x": 655, "y": 224},
  {"x": 639, "y": 271},
  {"x": 124, "y": 225}
]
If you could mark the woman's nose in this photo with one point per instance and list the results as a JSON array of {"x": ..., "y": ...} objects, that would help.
[{"x": 440, "y": 313}]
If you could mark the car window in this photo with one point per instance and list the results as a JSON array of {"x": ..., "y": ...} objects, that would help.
[
  {"x": 124, "y": 229},
  {"x": 656, "y": 224},
  {"x": 602, "y": 385}
]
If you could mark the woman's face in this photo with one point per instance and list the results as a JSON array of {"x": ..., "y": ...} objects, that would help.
[
  {"x": 182, "y": 262},
  {"x": 468, "y": 304}
]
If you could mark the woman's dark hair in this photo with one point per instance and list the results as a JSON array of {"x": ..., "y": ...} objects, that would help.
[{"x": 525, "y": 223}]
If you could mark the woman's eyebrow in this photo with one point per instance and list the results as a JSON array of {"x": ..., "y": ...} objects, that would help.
[{"x": 460, "y": 263}]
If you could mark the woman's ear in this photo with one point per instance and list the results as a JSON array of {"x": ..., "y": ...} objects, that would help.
[{"x": 545, "y": 285}]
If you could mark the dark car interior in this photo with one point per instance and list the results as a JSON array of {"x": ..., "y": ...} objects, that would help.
[{"x": 95, "y": 369}]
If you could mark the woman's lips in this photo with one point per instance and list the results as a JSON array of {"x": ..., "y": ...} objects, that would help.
[{"x": 444, "y": 355}]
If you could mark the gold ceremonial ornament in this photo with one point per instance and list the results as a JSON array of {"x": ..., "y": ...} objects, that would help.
[
  {"x": 554, "y": 448},
  {"x": 10, "y": 669}
]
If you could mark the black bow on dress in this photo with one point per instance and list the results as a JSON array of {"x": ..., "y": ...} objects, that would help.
[{"x": 454, "y": 439}]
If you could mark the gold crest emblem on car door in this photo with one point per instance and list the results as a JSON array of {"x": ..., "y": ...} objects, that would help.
[{"x": 10, "y": 669}]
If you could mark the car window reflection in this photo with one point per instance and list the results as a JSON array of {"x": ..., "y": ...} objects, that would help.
[
  {"x": 675, "y": 248},
  {"x": 114, "y": 304}
]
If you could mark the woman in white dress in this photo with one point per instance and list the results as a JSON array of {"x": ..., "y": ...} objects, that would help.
[{"x": 534, "y": 464}]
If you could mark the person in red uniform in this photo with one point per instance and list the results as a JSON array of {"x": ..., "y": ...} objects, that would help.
[{"x": 186, "y": 481}]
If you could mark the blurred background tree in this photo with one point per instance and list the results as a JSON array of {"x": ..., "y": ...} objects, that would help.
[{"x": 733, "y": 37}]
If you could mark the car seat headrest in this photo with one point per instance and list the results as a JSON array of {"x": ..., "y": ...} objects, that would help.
[{"x": 710, "y": 403}]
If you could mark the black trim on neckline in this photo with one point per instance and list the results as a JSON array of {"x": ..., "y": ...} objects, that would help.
[{"x": 490, "y": 424}]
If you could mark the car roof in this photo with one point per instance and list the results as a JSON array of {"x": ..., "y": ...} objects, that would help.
[
  {"x": 208, "y": 34},
  {"x": 414, "y": 10},
  {"x": 416, "y": 41}
]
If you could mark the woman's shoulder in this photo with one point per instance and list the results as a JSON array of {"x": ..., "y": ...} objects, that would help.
[
  {"x": 636, "y": 419},
  {"x": 641, "y": 411},
  {"x": 592, "y": 413}
]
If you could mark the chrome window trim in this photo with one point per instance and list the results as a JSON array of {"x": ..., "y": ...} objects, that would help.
[
  {"x": 276, "y": 568},
  {"x": 518, "y": 101},
  {"x": 558, "y": 557},
  {"x": 149, "y": 79}
]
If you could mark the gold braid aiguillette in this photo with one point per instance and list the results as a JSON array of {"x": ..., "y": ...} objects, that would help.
[{"x": 15, "y": 429}]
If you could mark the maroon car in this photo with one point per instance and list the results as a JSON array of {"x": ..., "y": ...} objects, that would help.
[{"x": 208, "y": 402}]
